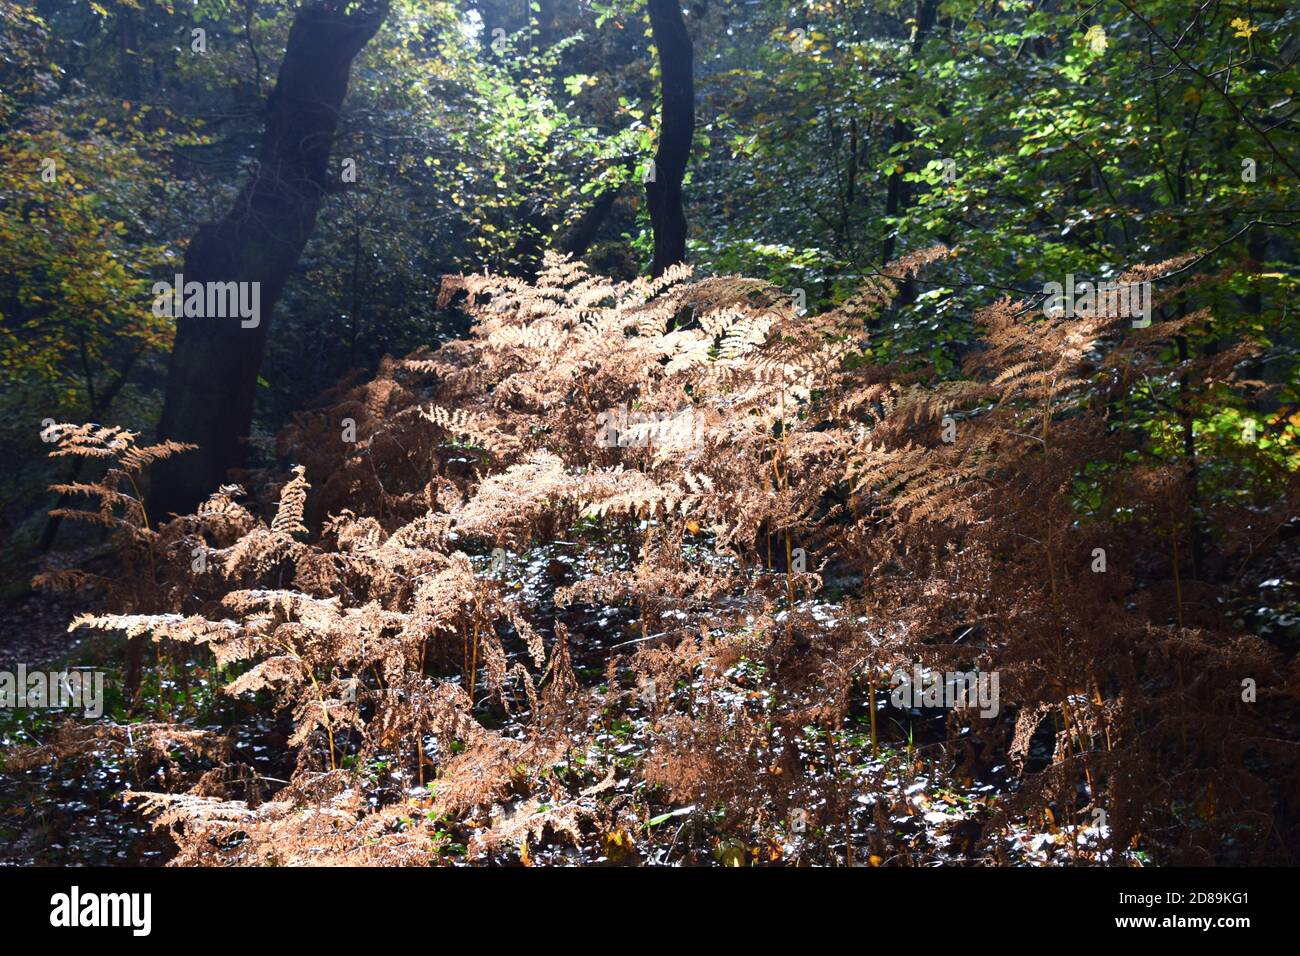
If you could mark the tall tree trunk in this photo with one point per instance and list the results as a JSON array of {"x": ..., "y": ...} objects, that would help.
[
  {"x": 676, "y": 129},
  {"x": 212, "y": 379}
]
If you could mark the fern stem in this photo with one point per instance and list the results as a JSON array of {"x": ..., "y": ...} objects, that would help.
[
  {"x": 473, "y": 663},
  {"x": 871, "y": 697}
]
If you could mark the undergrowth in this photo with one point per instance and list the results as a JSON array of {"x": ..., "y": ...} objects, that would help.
[{"x": 627, "y": 574}]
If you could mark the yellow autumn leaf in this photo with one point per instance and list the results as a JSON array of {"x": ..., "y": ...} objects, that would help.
[
  {"x": 1096, "y": 38},
  {"x": 1244, "y": 28},
  {"x": 731, "y": 854}
]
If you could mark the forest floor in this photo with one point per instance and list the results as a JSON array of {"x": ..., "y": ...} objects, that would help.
[
  {"x": 61, "y": 815},
  {"x": 908, "y": 800}
]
